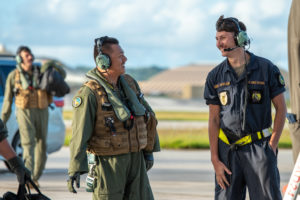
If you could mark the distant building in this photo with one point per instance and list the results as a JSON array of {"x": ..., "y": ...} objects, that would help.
[
  {"x": 4, "y": 51},
  {"x": 186, "y": 82}
]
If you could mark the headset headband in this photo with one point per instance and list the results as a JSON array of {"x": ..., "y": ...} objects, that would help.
[
  {"x": 236, "y": 23},
  {"x": 99, "y": 42}
]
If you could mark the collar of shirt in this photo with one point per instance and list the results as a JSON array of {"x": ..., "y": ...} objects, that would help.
[{"x": 249, "y": 67}]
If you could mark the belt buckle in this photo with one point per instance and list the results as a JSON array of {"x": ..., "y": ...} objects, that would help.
[{"x": 266, "y": 132}]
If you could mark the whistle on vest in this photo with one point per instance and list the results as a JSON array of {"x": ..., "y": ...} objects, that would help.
[{"x": 109, "y": 122}]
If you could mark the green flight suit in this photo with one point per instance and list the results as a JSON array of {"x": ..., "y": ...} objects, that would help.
[
  {"x": 118, "y": 177},
  {"x": 33, "y": 127},
  {"x": 294, "y": 73}
]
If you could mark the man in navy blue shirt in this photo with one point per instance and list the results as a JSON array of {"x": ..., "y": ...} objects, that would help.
[{"x": 239, "y": 92}]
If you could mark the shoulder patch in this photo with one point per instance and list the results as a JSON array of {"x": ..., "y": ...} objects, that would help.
[
  {"x": 76, "y": 102},
  {"x": 281, "y": 80}
]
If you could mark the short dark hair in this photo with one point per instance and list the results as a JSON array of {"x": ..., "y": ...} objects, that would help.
[
  {"x": 106, "y": 45},
  {"x": 23, "y": 48},
  {"x": 228, "y": 25}
]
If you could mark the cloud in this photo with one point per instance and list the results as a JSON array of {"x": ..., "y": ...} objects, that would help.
[
  {"x": 168, "y": 32},
  {"x": 68, "y": 54},
  {"x": 218, "y": 8},
  {"x": 259, "y": 10}
]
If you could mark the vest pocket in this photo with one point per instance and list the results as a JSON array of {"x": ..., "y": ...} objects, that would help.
[
  {"x": 104, "y": 143},
  {"x": 100, "y": 146},
  {"x": 141, "y": 131},
  {"x": 22, "y": 99},
  {"x": 151, "y": 132},
  {"x": 119, "y": 141}
]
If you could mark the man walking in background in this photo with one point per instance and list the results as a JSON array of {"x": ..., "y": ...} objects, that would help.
[{"x": 31, "y": 110}]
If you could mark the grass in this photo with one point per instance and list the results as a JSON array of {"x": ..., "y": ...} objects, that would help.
[
  {"x": 164, "y": 115},
  {"x": 190, "y": 139},
  {"x": 198, "y": 139},
  {"x": 182, "y": 116},
  {"x": 182, "y": 139},
  {"x": 68, "y": 136}
]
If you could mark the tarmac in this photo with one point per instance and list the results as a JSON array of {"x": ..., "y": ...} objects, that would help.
[{"x": 177, "y": 174}]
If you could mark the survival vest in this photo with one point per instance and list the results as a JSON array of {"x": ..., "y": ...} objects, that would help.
[
  {"x": 30, "y": 98},
  {"x": 111, "y": 136}
]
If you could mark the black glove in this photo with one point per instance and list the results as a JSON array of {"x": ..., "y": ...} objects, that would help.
[
  {"x": 72, "y": 179},
  {"x": 17, "y": 166},
  {"x": 149, "y": 160}
]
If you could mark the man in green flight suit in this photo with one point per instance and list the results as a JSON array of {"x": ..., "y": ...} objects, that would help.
[
  {"x": 115, "y": 127},
  {"x": 32, "y": 110}
]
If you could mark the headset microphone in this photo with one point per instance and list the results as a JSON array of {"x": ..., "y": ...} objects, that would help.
[{"x": 231, "y": 49}]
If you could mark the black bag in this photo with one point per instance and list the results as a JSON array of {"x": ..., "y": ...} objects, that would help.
[
  {"x": 25, "y": 194},
  {"x": 53, "y": 82}
]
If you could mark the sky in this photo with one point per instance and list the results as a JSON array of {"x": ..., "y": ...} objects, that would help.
[{"x": 167, "y": 33}]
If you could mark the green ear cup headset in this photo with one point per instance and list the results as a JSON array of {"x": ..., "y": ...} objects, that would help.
[
  {"x": 241, "y": 37},
  {"x": 102, "y": 60},
  {"x": 19, "y": 59}
]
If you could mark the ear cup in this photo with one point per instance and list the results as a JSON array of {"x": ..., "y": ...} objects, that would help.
[
  {"x": 19, "y": 59},
  {"x": 242, "y": 39},
  {"x": 103, "y": 61}
]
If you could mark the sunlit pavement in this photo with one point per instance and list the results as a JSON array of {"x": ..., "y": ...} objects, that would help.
[{"x": 177, "y": 174}]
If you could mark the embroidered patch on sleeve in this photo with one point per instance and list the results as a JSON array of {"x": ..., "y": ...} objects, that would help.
[
  {"x": 76, "y": 102},
  {"x": 281, "y": 79}
]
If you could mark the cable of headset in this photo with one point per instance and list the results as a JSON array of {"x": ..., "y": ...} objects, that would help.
[{"x": 246, "y": 94}]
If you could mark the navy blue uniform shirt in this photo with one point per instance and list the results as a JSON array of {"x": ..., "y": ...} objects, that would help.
[{"x": 224, "y": 88}]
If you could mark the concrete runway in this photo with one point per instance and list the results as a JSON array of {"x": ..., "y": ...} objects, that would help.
[{"x": 177, "y": 174}]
